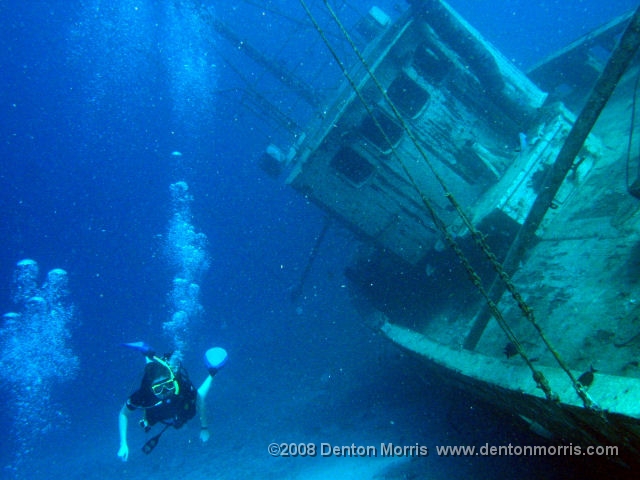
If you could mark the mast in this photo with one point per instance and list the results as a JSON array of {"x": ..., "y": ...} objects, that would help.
[
  {"x": 598, "y": 98},
  {"x": 288, "y": 78}
]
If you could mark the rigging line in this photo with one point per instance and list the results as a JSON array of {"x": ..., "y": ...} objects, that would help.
[
  {"x": 295, "y": 21},
  {"x": 477, "y": 236},
  {"x": 619, "y": 60},
  {"x": 297, "y": 84},
  {"x": 297, "y": 290},
  {"x": 258, "y": 97},
  {"x": 538, "y": 377},
  {"x": 264, "y": 8}
]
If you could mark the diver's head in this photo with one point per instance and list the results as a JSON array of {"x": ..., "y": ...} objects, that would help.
[{"x": 160, "y": 379}]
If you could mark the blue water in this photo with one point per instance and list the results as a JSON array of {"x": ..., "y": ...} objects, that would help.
[{"x": 97, "y": 101}]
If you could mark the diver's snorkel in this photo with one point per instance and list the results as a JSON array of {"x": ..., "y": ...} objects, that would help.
[{"x": 171, "y": 380}]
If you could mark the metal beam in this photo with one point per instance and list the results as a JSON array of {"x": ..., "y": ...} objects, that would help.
[{"x": 618, "y": 63}]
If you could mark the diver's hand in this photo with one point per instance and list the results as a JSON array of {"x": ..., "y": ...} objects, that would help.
[
  {"x": 123, "y": 453},
  {"x": 204, "y": 435}
]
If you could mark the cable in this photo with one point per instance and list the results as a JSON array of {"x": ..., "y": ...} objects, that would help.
[{"x": 476, "y": 235}]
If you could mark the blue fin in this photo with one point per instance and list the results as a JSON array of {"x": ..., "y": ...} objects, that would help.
[
  {"x": 141, "y": 347},
  {"x": 215, "y": 358}
]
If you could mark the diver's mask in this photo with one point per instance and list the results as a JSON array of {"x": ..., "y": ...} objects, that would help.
[{"x": 168, "y": 385}]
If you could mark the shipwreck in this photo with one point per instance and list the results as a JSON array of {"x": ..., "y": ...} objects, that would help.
[{"x": 498, "y": 209}]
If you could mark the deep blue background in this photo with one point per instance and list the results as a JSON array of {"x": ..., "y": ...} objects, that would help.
[{"x": 91, "y": 109}]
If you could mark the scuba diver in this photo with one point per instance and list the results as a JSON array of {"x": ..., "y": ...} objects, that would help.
[{"x": 167, "y": 396}]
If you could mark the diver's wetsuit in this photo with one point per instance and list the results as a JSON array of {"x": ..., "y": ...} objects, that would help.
[{"x": 173, "y": 410}]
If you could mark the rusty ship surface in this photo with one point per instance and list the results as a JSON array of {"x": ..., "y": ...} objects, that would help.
[{"x": 498, "y": 211}]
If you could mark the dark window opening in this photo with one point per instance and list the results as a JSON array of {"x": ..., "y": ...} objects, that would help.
[
  {"x": 352, "y": 165},
  {"x": 409, "y": 97},
  {"x": 430, "y": 64}
]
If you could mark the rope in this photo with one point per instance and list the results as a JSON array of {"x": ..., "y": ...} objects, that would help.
[
  {"x": 538, "y": 376},
  {"x": 476, "y": 235},
  {"x": 479, "y": 239}
]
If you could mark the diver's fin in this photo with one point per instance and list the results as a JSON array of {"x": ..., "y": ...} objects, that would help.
[
  {"x": 151, "y": 444},
  {"x": 153, "y": 441},
  {"x": 141, "y": 347},
  {"x": 214, "y": 359}
]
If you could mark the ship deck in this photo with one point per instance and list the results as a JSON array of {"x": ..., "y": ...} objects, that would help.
[{"x": 582, "y": 278}]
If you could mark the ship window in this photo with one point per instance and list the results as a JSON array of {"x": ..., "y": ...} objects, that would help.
[
  {"x": 352, "y": 165},
  {"x": 407, "y": 95},
  {"x": 372, "y": 132},
  {"x": 431, "y": 64}
]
